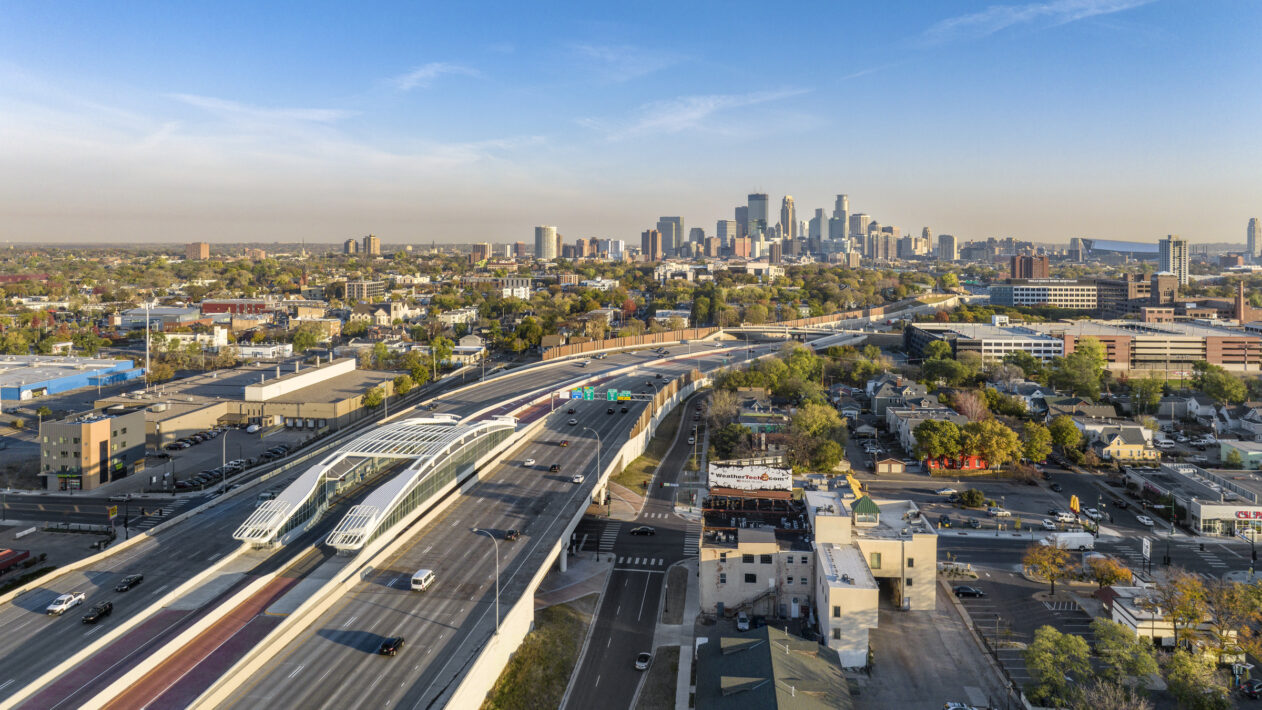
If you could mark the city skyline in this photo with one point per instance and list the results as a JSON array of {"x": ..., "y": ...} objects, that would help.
[{"x": 1040, "y": 121}]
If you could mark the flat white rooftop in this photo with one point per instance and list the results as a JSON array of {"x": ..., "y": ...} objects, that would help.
[
  {"x": 844, "y": 566},
  {"x": 18, "y": 370}
]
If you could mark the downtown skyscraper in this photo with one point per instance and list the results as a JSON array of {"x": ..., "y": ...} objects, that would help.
[
  {"x": 1253, "y": 240},
  {"x": 1174, "y": 257},
  {"x": 756, "y": 214},
  {"x": 546, "y": 243},
  {"x": 788, "y": 218}
]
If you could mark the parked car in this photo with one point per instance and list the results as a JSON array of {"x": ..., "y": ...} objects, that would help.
[
  {"x": 65, "y": 602},
  {"x": 643, "y": 530},
  {"x": 957, "y": 706},
  {"x": 974, "y": 523},
  {"x": 945, "y": 491},
  {"x": 742, "y": 621},
  {"x": 1145, "y": 520},
  {"x": 390, "y": 646},
  {"x": 97, "y": 612},
  {"x": 1056, "y": 487},
  {"x": 1048, "y": 524},
  {"x": 967, "y": 591},
  {"x": 643, "y": 660},
  {"x": 1251, "y": 688},
  {"x": 128, "y": 582},
  {"x": 997, "y": 512}
]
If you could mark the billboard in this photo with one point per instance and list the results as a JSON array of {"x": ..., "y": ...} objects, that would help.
[{"x": 751, "y": 478}]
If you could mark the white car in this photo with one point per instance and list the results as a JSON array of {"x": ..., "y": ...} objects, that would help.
[
  {"x": 1163, "y": 444},
  {"x": 576, "y": 478},
  {"x": 945, "y": 491},
  {"x": 1144, "y": 520},
  {"x": 65, "y": 602},
  {"x": 528, "y": 462},
  {"x": 573, "y": 422},
  {"x": 1048, "y": 524},
  {"x": 742, "y": 622},
  {"x": 997, "y": 512},
  {"x": 1092, "y": 513}
]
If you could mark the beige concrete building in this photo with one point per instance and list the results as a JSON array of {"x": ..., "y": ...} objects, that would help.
[
  {"x": 84, "y": 452},
  {"x": 829, "y": 557}
]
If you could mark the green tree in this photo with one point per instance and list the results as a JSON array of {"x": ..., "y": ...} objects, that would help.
[
  {"x": 374, "y": 397},
  {"x": 441, "y": 348},
  {"x": 1121, "y": 652},
  {"x": 355, "y": 328},
  {"x": 305, "y": 337},
  {"x": 817, "y": 420},
  {"x": 937, "y": 439},
  {"x": 938, "y": 350},
  {"x": 1233, "y": 459},
  {"x": 1030, "y": 365},
  {"x": 403, "y": 384},
  {"x": 1052, "y": 658},
  {"x": 1146, "y": 393},
  {"x": 44, "y": 412},
  {"x": 972, "y": 498},
  {"x": 1038, "y": 442},
  {"x": 1195, "y": 682},
  {"x": 1080, "y": 371},
  {"x": 1065, "y": 433},
  {"x": 1218, "y": 384},
  {"x": 948, "y": 281},
  {"x": 1231, "y": 609},
  {"x": 1051, "y": 562},
  {"x": 826, "y": 455},
  {"x": 950, "y": 372},
  {"x": 992, "y": 441}
]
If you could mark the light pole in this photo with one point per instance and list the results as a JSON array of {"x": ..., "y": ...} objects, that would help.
[
  {"x": 496, "y": 545},
  {"x": 223, "y": 459},
  {"x": 599, "y": 445}
]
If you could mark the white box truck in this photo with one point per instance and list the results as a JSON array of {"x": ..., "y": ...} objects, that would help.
[{"x": 1071, "y": 540}]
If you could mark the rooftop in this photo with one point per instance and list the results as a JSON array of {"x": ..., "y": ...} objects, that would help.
[
  {"x": 986, "y": 331},
  {"x": 769, "y": 669},
  {"x": 18, "y": 370},
  {"x": 1178, "y": 329},
  {"x": 1193, "y": 482},
  {"x": 844, "y": 566}
]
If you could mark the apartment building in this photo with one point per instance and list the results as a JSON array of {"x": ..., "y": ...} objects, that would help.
[
  {"x": 364, "y": 290},
  {"x": 1165, "y": 347},
  {"x": 1056, "y": 293}
]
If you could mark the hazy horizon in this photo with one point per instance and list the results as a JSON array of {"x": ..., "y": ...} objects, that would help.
[{"x": 1042, "y": 121}]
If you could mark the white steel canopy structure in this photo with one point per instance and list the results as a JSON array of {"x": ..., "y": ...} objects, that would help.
[
  {"x": 420, "y": 438},
  {"x": 448, "y": 455}
]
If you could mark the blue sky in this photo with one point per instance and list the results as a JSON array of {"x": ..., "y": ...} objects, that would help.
[{"x": 469, "y": 121}]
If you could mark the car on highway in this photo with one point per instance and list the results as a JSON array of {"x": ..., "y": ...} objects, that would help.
[
  {"x": 128, "y": 582},
  {"x": 692, "y": 440},
  {"x": 742, "y": 621},
  {"x": 609, "y": 411},
  {"x": 643, "y": 530},
  {"x": 120, "y": 498},
  {"x": 65, "y": 602},
  {"x": 554, "y": 468},
  {"x": 625, "y": 410},
  {"x": 577, "y": 478},
  {"x": 565, "y": 443},
  {"x": 1056, "y": 487},
  {"x": 1119, "y": 503},
  {"x": 945, "y": 491},
  {"x": 570, "y": 410},
  {"x": 528, "y": 462},
  {"x": 957, "y": 706},
  {"x": 512, "y": 535},
  {"x": 1144, "y": 520},
  {"x": 1048, "y": 524},
  {"x": 97, "y": 612},
  {"x": 658, "y": 376},
  {"x": 964, "y": 590},
  {"x": 573, "y": 422},
  {"x": 390, "y": 646},
  {"x": 643, "y": 661}
]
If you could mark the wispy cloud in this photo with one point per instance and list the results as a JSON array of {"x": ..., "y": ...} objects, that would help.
[
  {"x": 425, "y": 75},
  {"x": 685, "y": 113},
  {"x": 623, "y": 62},
  {"x": 244, "y": 113},
  {"x": 1000, "y": 17}
]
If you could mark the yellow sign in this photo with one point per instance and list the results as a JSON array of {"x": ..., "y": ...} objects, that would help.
[
  {"x": 1073, "y": 504},
  {"x": 113, "y": 511}
]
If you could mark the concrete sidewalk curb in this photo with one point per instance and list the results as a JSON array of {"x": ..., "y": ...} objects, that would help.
[
  {"x": 118, "y": 631},
  {"x": 981, "y": 646},
  {"x": 582, "y": 651}
]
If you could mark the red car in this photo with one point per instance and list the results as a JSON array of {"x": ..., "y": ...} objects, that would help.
[{"x": 565, "y": 443}]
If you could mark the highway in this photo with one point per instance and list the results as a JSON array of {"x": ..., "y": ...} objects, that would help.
[
  {"x": 32, "y": 642},
  {"x": 333, "y": 664}
]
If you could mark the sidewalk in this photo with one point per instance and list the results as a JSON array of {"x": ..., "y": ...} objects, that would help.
[
  {"x": 683, "y": 635},
  {"x": 585, "y": 575}
]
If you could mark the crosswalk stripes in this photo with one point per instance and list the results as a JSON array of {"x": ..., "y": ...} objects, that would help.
[
  {"x": 692, "y": 539},
  {"x": 609, "y": 535},
  {"x": 642, "y": 561}
]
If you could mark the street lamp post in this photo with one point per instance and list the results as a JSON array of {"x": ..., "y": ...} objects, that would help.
[
  {"x": 599, "y": 446},
  {"x": 496, "y": 546},
  {"x": 223, "y": 459}
]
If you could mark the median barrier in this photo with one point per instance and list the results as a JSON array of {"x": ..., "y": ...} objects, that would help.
[
  {"x": 118, "y": 631},
  {"x": 169, "y": 649}
]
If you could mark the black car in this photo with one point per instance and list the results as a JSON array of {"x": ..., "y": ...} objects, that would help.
[
  {"x": 1119, "y": 503},
  {"x": 658, "y": 375},
  {"x": 512, "y": 535},
  {"x": 944, "y": 521},
  {"x": 974, "y": 523},
  {"x": 554, "y": 468},
  {"x": 390, "y": 646},
  {"x": 570, "y": 410},
  {"x": 1056, "y": 487},
  {"x": 625, "y": 410},
  {"x": 966, "y": 591},
  {"x": 643, "y": 530},
  {"x": 97, "y": 612},
  {"x": 128, "y": 582},
  {"x": 609, "y": 411},
  {"x": 1251, "y": 689}
]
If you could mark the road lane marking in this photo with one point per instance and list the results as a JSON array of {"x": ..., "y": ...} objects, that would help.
[
  {"x": 6, "y": 684},
  {"x": 214, "y": 557},
  {"x": 642, "y": 598},
  {"x": 350, "y": 621},
  {"x": 296, "y": 671}
]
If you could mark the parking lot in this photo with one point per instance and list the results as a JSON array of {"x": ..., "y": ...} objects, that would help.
[{"x": 184, "y": 464}]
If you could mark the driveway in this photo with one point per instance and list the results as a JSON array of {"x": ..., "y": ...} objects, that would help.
[{"x": 916, "y": 662}]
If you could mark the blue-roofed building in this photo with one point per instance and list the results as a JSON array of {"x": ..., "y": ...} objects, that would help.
[{"x": 24, "y": 377}]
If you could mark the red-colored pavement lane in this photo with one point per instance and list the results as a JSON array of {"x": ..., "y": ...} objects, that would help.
[{"x": 157, "y": 682}]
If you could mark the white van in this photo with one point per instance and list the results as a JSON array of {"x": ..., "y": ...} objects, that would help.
[
  {"x": 422, "y": 580},
  {"x": 252, "y": 429}
]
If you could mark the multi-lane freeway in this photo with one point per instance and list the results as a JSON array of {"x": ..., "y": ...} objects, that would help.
[{"x": 33, "y": 642}]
